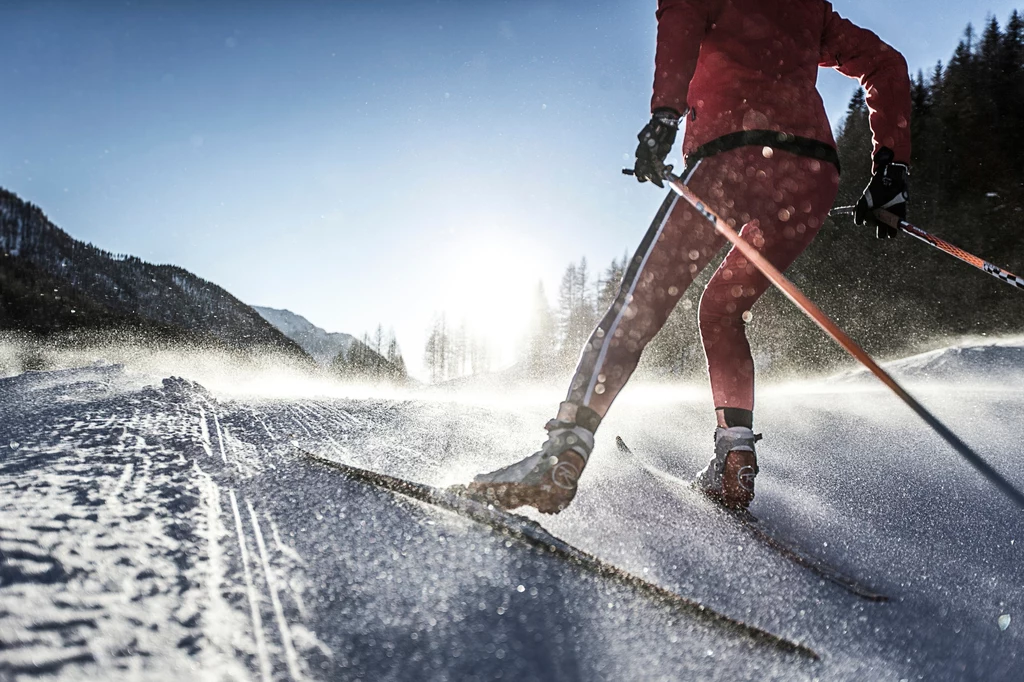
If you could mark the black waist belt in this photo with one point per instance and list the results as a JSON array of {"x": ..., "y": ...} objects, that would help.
[{"x": 801, "y": 146}]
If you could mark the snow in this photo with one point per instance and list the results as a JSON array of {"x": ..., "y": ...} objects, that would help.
[
  {"x": 993, "y": 363},
  {"x": 157, "y": 528}
]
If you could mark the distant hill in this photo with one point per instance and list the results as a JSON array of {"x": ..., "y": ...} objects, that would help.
[
  {"x": 322, "y": 346},
  {"x": 344, "y": 355},
  {"x": 51, "y": 284}
]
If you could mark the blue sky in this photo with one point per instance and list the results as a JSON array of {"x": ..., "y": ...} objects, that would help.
[{"x": 360, "y": 162}]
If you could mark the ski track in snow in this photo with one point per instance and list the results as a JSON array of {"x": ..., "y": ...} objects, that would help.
[
  {"x": 163, "y": 533},
  {"x": 116, "y": 558}
]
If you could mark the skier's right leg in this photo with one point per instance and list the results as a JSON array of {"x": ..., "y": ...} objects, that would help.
[
  {"x": 678, "y": 245},
  {"x": 784, "y": 199}
]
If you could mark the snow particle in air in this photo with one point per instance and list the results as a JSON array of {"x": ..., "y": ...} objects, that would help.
[{"x": 1004, "y": 621}]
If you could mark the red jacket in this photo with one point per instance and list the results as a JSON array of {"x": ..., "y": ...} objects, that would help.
[{"x": 753, "y": 65}]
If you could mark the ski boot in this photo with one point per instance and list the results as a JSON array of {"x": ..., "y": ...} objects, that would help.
[
  {"x": 729, "y": 478},
  {"x": 546, "y": 479}
]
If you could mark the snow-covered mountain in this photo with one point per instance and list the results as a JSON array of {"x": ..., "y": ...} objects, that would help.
[
  {"x": 50, "y": 282},
  {"x": 322, "y": 346}
]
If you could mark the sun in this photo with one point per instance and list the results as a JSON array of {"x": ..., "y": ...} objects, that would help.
[{"x": 491, "y": 279}]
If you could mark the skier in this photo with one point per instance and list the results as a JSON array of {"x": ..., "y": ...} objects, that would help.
[{"x": 759, "y": 150}]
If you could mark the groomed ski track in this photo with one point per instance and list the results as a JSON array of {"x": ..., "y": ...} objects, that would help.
[{"x": 158, "y": 530}]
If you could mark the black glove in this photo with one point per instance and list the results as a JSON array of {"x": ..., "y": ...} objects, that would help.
[
  {"x": 656, "y": 140},
  {"x": 887, "y": 190}
]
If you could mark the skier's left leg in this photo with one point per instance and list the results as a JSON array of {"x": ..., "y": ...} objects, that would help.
[{"x": 678, "y": 245}]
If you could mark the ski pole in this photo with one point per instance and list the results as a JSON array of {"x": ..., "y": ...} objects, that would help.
[
  {"x": 941, "y": 244},
  {"x": 842, "y": 338}
]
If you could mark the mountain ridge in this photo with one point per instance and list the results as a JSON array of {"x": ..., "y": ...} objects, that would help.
[
  {"x": 322, "y": 345},
  {"x": 54, "y": 283}
]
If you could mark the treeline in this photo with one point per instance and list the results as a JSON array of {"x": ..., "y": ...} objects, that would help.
[
  {"x": 894, "y": 296},
  {"x": 453, "y": 351},
  {"x": 376, "y": 357},
  {"x": 966, "y": 186},
  {"x": 551, "y": 344},
  {"x": 558, "y": 333}
]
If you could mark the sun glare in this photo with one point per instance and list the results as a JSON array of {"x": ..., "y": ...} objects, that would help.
[{"x": 490, "y": 286}]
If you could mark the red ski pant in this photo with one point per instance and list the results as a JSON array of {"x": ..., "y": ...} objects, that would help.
[{"x": 778, "y": 200}]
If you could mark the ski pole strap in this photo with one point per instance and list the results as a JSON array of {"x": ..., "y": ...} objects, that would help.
[
  {"x": 842, "y": 338},
  {"x": 941, "y": 244},
  {"x": 794, "y": 144}
]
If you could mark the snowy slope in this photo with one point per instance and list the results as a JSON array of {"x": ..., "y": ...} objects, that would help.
[
  {"x": 150, "y": 528},
  {"x": 322, "y": 346},
  {"x": 995, "y": 363}
]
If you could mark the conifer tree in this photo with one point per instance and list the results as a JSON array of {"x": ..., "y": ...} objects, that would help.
[
  {"x": 479, "y": 355},
  {"x": 854, "y": 146},
  {"x": 608, "y": 286},
  {"x": 437, "y": 356},
  {"x": 575, "y": 312},
  {"x": 541, "y": 338}
]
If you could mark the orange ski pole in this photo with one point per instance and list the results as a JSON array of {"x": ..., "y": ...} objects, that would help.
[
  {"x": 939, "y": 243},
  {"x": 842, "y": 338}
]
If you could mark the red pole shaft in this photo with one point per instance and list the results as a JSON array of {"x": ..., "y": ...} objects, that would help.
[{"x": 841, "y": 337}]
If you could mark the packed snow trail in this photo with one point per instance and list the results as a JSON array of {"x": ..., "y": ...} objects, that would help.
[
  {"x": 121, "y": 553},
  {"x": 760, "y": 532}
]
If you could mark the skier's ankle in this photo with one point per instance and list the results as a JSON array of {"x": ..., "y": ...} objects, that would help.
[
  {"x": 734, "y": 416},
  {"x": 580, "y": 415}
]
